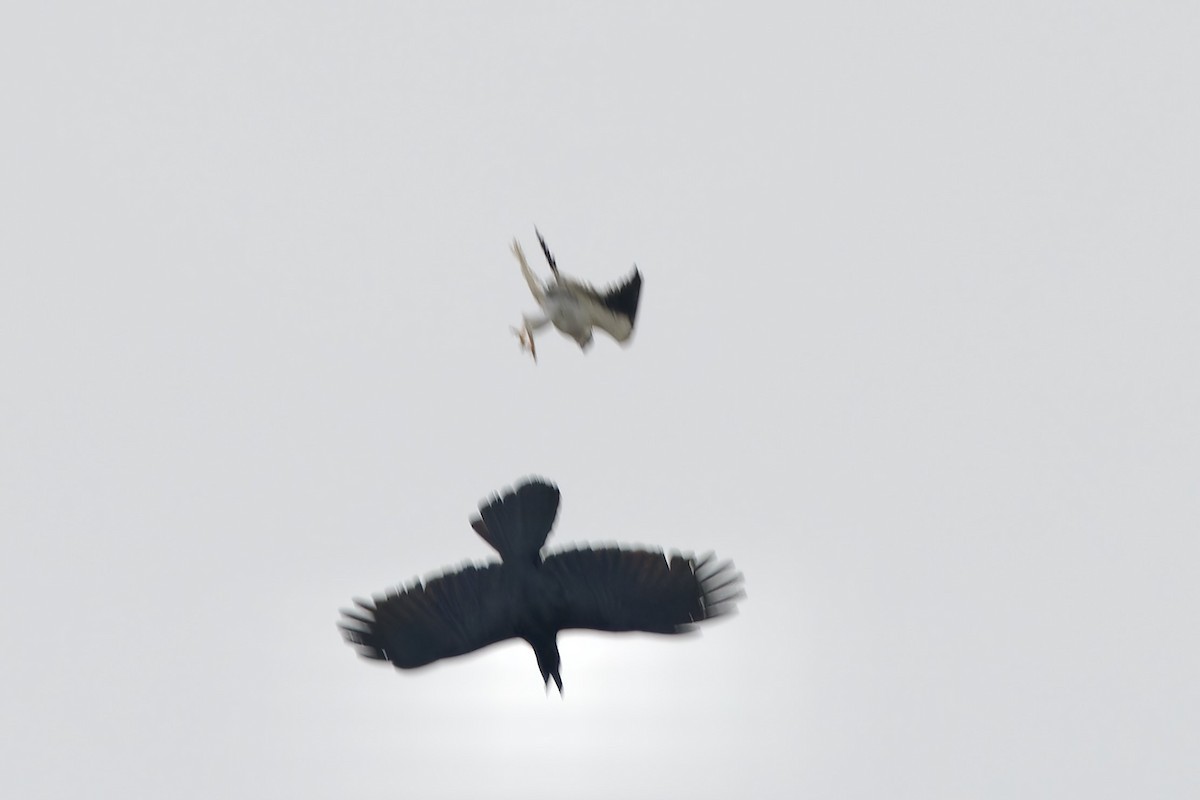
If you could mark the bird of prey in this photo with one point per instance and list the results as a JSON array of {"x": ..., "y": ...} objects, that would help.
[
  {"x": 576, "y": 308},
  {"x": 533, "y": 597}
]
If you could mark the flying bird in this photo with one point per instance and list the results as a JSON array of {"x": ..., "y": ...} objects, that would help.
[
  {"x": 532, "y": 597},
  {"x": 576, "y": 308}
]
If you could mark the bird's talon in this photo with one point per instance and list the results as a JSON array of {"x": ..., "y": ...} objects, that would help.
[{"x": 525, "y": 340}]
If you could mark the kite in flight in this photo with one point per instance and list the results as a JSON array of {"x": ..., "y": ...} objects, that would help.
[
  {"x": 576, "y": 308},
  {"x": 533, "y": 597}
]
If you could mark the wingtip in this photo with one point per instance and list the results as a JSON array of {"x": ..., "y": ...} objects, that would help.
[
  {"x": 358, "y": 631},
  {"x": 721, "y": 586},
  {"x": 546, "y": 250}
]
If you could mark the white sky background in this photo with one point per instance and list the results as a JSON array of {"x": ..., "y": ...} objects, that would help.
[{"x": 917, "y": 349}]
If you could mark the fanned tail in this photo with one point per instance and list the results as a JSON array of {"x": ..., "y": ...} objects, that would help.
[{"x": 517, "y": 522}]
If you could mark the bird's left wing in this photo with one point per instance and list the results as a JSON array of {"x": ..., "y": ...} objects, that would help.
[
  {"x": 446, "y": 616},
  {"x": 611, "y": 589}
]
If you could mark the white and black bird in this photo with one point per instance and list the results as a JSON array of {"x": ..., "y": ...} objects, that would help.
[{"x": 576, "y": 308}]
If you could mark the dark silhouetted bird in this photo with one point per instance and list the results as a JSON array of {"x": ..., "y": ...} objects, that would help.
[
  {"x": 576, "y": 308},
  {"x": 534, "y": 597}
]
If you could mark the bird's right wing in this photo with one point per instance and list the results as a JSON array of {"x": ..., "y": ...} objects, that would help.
[
  {"x": 441, "y": 617},
  {"x": 611, "y": 589},
  {"x": 614, "y": 309}
]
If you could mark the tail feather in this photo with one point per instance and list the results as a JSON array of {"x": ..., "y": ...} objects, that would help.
[{"x": 517, "y": 522}]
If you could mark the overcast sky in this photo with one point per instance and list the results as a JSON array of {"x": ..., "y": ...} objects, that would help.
[{"x": 917, "y": 349}]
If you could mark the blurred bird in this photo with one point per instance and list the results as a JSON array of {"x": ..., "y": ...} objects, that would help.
[
  {"x": 576, "y": 308},
  {"x": 534, "y": 597}
]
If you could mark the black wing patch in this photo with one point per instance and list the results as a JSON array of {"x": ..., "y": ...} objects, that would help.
[
  {"x": 623, "y": 298},
  {"x": 546, "y": 250},
  {"x": 446, "y": 616},
  {"x": 611, "y": 589}
]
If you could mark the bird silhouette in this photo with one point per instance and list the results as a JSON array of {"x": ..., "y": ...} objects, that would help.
[{"x": 533, "y": 597}]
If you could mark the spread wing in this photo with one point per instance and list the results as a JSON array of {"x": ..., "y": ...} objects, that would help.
[
  {"x": 613, "y": 310},
  {"x": 445, "y": 616},
  {"x": 611, "y": 589}
]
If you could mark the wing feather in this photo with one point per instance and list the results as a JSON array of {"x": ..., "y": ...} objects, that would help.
[
  {"x": 612, "y": 589},
  {"x": 446, "y": 616}
]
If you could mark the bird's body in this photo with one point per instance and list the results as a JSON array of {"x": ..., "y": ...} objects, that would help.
[
  {"x": 532, "y": 597},
  {"x": 576, "y": 308},
  {"x": 566, "y": 311}
]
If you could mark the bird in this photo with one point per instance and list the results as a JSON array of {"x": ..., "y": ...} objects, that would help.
[
  {"x": 576, "y": 308},
  {"x": 532, "y": 596}
]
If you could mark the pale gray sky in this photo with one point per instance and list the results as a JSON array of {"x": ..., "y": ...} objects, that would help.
[{"x": 917, "y": 349}]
